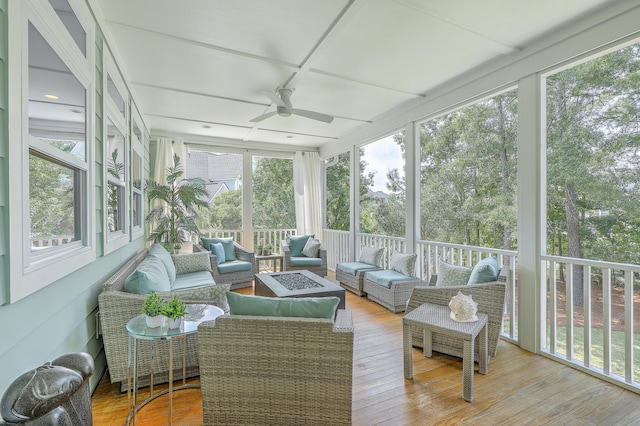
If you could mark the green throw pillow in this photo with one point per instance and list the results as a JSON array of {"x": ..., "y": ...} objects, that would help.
[
  {"x": 218, "y": 250},
  {"x": 404, "y": 263},
  {"x": 227, "y": 243},
  {"x": 210, "y": 294},
  {"x": 372, "y": 255},
  {"x": 485, "y": 271},
  {"x": 297, "y": 243},
  {"x": 150, "y": 275},
  {"x": 306, "y": 307},
  {"x": 161, "y": 253}
]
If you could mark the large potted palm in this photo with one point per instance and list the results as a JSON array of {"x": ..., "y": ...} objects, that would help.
[{"x": 173, "y": 219}]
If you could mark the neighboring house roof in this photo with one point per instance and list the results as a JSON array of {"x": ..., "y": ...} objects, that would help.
[{"x": 221, "y": 172}]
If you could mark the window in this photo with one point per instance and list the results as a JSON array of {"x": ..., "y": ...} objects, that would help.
[
  {"x": 468, "y": 174},
  {"x": 57, "y": 150},
  {"x": 53, "y": 225},
  {"x": 117, "y": 158},
  {"x": 137, "y": 188},
  {"x": 338, "y": 196},
  {"x": 222, "y": 174},
  {"x": 273, "y": 197},
  {"x": 382, "y": 204}
]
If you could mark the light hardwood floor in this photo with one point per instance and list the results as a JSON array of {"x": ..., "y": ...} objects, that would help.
[{"x": 520, "y": 389}]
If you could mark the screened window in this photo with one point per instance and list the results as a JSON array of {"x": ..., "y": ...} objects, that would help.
[
  {"x": 468, "y": 174},
  {"x": 338, "y": 196},
  {"x": 116, "y": 179},
  {"x": 273, "y": 196},
  {"x": 382, "y": 187}
]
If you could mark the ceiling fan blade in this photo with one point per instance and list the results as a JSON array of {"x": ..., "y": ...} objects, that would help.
[
  {"x": 313, "y": 115},
  {"x": 274, "y": 97},
  {"x": 264, "y": 116}
]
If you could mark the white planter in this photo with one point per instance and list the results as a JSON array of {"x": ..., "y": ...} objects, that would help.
[
  {"x": 175, "y": 323},
  {"x": 156, "y": 321}
]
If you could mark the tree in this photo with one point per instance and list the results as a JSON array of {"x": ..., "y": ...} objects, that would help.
[
  {"x": 273, "y": 202},
  {"x": 225, "y": 212},
  {"x": 180, "y": 199}
]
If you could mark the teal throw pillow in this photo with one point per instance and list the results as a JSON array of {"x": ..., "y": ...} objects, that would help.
[
  {"x": 150, "y": 276},
  {"x": 485, "y": 271},
  {"x": 452, "y": 275},
  {"x": 161, "y": 253},
  {"x": 297, "y": 243},
  {"x": 227, "y": 243},
  {"x": 218, "y": 250},
  {"x": 305, "y": 307}
]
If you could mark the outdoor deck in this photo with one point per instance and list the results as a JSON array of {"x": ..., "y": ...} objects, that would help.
[{"x": 521, "y": 388}]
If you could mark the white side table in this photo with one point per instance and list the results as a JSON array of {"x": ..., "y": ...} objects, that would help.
[
  {"x": 138, "y": 330},
  {"x": 435, "y": 318}
]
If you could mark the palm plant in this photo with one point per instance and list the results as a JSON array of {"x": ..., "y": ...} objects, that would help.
[{"x": 174, "y": 218}]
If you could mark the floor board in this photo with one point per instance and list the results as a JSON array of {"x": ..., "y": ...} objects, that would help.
[{"x": 520, "y": 389}]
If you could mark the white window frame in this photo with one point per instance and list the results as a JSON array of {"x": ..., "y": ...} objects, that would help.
[
  {"x": 137, "y": 147},
  {"x": 111, "y": 113},
  {"x": 28, "y": 272}
]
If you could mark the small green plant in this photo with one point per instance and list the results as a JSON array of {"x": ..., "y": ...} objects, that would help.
[
  {"x": 269, "y": 246},
  {"x": 175, "y": 308},
  {"x": 153, "y": 305}
]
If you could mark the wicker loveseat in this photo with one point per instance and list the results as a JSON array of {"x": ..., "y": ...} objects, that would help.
[
  {"x": 276, "y": 370},
  {"x": 117, "y": 307},
  {"x": 490, "y": 297}
]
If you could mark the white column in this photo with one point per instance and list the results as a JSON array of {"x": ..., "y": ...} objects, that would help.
[{"x": 531, "y": 210}]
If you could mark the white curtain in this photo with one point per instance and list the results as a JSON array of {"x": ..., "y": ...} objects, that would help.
[
  {"x": 164, "y": 159},
  {"x": 307, "y": 181}
]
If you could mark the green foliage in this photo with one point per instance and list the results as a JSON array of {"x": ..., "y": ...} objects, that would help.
[
  {"x": 180, "y": 199},
  {"x": 273, "y": 201},
  {"x": 116, "y": 170},
  {"x": 225, "y": 212},
  {"x": 175, "y": 308},
  {"x": 153, "y": 305}
]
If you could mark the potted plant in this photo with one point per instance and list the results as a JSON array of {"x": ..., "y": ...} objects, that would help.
[
  {"x": 267, "y": 249},
  {"x": 175, "y": 310},
  {"x": 259, "y": 249},
  {"x": 173, "y": 219},
  {"x": 153, "y": 307}
]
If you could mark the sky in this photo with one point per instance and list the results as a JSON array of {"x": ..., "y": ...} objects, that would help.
[{"x": 382, "y": 156}]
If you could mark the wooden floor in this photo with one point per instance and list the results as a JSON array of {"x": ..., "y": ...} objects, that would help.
[{"x": 520, "y": 389}]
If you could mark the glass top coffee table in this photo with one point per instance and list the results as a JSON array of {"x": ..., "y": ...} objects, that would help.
[
  {"x": 138, "y": 330},
  {"x": 297, "y": 284}
]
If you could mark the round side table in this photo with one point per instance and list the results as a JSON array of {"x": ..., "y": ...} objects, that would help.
[{"x": 138, "y": 330}]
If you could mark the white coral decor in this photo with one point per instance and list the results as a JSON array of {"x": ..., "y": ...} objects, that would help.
[{"x": 463, "y": 308}]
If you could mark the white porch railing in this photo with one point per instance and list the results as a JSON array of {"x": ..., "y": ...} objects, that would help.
[
  {"x": 58, "y": 240},
  {"x": 264, "y": 236},
  {"x": 429, "y": 252},
  {"x": 601, "y": 338},
  {"x": 337, "y": 245}
]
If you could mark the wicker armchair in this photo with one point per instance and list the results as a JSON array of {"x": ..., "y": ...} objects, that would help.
[
  {"x": 490, "y": 297},
  {"x": 320, "y": 270},
  {"x": 276, "y": 370},
  {"x": 237, "y": 279}
]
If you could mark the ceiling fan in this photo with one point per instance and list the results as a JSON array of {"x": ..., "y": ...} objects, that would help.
[{"x": 282, "y": 99}]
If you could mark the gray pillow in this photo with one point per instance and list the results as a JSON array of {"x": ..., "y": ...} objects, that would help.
[
  {"x": 191, "y": 262},
  {"x": 311, "y": 248},
  {"x": 451, "y": 275},
  {"x": 404, "y": 263},
  {"x": 372, "y": 255}
]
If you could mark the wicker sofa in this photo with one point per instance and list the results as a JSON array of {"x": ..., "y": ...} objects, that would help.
[
  {"x": 490, "y": 297},
  {"x": 117, "y": 307},
  {"x": 276, "y": 370}
]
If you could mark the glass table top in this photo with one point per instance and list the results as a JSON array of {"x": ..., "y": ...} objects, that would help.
[{"x": 196, "y": 313}]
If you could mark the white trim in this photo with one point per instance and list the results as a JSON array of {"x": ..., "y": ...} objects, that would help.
[{"x": 28, "y": 274}]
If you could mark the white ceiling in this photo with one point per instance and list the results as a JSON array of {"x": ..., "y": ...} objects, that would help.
[{"x": 204, "y": 62}]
